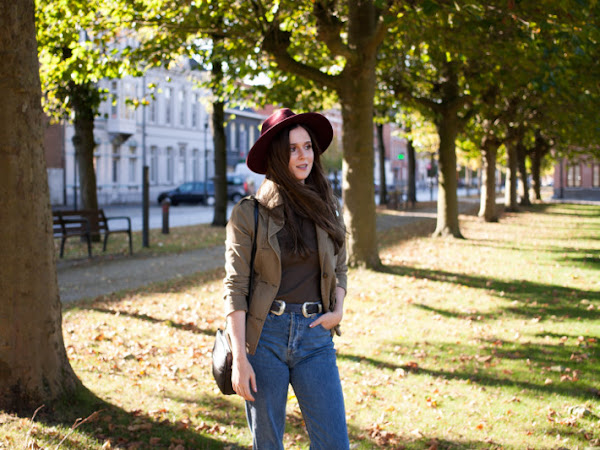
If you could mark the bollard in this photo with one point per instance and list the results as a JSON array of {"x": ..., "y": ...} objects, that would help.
[
  {"x": 166, "y": 203},
  {"x": 392, "y": 200}
]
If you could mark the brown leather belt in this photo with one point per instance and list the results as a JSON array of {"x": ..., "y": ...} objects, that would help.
[{"x": 308, "y": 309}]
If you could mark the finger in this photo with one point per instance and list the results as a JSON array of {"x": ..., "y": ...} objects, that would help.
[
  {"x": 253, "y": 383},
  {"x": 316, "y": 322},
  {"x": 243, "y": 393},
  {"x": 248, "y": 394}
]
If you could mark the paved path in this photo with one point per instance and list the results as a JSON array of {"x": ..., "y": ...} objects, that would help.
[{"x": 91, "y": 278}]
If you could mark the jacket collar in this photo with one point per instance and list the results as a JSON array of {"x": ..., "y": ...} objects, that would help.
[{"x": 268, "y": 194}]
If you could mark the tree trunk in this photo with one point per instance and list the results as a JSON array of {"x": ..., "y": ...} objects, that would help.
[
  {"x": 487, "y": 209},
  {"x": 447, "y": 205},
  {"x": 521, "y": 152},
  {"x": 358, "y": 183},
  {"x": 510, "y": 187},
  {"x": 355, "y": 87},
  {"x": 84, "y": 144},
  {"x": 218, "y": 122},
  {"x": 411, "y": 188},
  {"x": 540, "y": 150},
  {"x": 383, "y": 196},
  {"x": 536, "y": 181},
  {"x": 34, "y": 368},
  {"x": 83, "y": 141}
]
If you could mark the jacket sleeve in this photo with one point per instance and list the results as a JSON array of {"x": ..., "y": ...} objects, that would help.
[
  {"x": 238, "y": 249},
  {"x": 341, "y": 268}
]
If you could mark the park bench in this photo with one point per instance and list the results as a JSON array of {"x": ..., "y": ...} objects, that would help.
[
  {"x": 66, "y": 227},
  {"x": 98, "y": 224},
  {"x": 396, "y": 199}
]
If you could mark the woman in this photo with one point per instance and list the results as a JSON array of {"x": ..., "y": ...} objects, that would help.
[{"x": 285, "y": 335}]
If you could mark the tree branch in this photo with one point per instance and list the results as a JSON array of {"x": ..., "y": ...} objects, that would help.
[
  {"x": 328, "y": 30},
  {"x": 378, "y": 36},
  {"x": 406, "y": 92},
  {"x": 276, "y": 42},
  {"x": 427, "y": 103},
  {"x": 259, "y": 10}
]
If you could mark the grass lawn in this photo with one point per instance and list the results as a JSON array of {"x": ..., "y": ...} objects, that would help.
[{"x": 486, "y": 342}]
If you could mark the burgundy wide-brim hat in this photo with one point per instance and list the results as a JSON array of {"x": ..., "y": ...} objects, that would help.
[{"x": 280, "y": 119}]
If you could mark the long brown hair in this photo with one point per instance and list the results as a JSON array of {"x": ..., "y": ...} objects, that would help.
[{"x": 312, "y": 199}]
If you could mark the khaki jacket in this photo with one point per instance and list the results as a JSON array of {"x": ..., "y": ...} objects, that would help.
[{"x": 267, "y": 263}]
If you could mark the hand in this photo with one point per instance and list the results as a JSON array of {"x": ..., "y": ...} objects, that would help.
[
  {"x": 243, "y": 378},
  {"x": 328, "y": 320}
]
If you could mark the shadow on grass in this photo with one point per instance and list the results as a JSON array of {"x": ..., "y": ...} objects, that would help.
[
  {"x": 592, "y": 260},
  {"x": 567, "y": 209},
  {"x": 502, "y": 364},
  {"x": 229, "y": 413},
  {"x": 544, "y": 301},
  {"x": 123, "y": 429},
  {"x": 495, "y": 244},
  {"x": 188, "y": 326}
]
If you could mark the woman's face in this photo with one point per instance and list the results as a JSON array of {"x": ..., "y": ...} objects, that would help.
[{"x": 301, "y": 154}]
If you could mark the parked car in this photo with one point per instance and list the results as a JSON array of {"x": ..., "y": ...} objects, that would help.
[
  {"x": 190, "y": 192},
  {"x": 237, "y": 187}
]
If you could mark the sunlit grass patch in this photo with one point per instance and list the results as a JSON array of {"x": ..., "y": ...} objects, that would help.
[{"x": 486, "y": 342}]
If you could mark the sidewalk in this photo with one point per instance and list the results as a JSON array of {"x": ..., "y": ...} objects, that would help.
[{"x": 92, "y": 278}]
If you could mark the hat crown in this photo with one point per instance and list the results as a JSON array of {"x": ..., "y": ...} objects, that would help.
[
  {"x": 275, "y": 118},
  {"x": 279, "y": 120}
]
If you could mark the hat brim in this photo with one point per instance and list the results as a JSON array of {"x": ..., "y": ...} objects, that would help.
[{"x": 319, "y": 125}]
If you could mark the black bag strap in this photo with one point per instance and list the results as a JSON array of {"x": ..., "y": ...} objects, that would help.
[{"x": 251, "y": 282}]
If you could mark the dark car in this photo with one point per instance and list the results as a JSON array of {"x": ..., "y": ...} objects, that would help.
[
  {"x": 237, "y": 187},
  {"x": 190, "y": 192}
]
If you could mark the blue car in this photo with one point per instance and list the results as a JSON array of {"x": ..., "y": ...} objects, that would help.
[{"x": 190, "y": 192}]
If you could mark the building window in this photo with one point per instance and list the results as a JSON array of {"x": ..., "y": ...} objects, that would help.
[
  {"x": 574, "y": 175},
  {"x": 195, "y": 164},
  {"x": 596, "y": 175},
  {"x": 243, "y": 140},
  {"x": 152, "y": 105},
  {"x": 168, "y": 105},
  {"x": 251, "y": 134},
  {"x": 114, "y": 100},
  {"x": 181, "y": 175},
  {"x": 116, "y": 164},
  {"x": 182, "y": 108},
  {"x": 153, "y": 165},
  {"x": 127, "y": 109},
  {"x": 195, "y": 110},
  {"x": 233, "y": 138},
  {"x": 132, "y": 164},
  {"x": 170, "y": 164}
]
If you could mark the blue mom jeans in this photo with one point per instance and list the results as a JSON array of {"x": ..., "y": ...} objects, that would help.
[{"x": 290, "y": 352}]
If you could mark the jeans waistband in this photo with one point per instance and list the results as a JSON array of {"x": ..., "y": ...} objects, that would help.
[{"x": 307, "y": 309}]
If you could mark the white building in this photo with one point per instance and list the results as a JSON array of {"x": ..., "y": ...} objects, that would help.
[{"x": 176, "y": 132}]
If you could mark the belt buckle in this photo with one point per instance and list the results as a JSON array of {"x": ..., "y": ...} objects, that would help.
[
  {"x": 305, "y": 309},
  {"x": 281, "y": 309}
]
